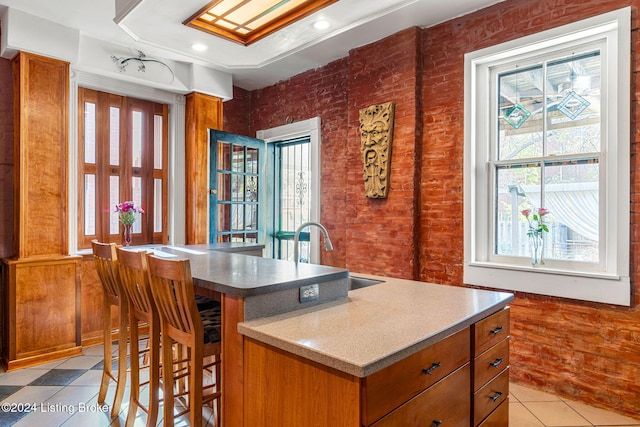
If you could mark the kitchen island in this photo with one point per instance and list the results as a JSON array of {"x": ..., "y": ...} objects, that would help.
[{"x": 399, "y": 352}]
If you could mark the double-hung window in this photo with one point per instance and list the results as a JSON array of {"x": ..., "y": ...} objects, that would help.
[{"x": 547, "y": 128}]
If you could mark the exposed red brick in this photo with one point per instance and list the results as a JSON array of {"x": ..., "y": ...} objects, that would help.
[
  {"x": 237, "y": 113},
  {"x": 580, "y": 350},
  {"x": 584, "y": 351}
]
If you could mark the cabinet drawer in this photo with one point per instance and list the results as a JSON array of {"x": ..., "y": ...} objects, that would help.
[
  {"x": 490, "y": 330},
  {"x": 490, "y": 397},
  {"x": 388, "y": 388},
  {"x": 446, "y": 403},
  {"x": 490, "y": 363},
  {"x": 499, "y": 417}
]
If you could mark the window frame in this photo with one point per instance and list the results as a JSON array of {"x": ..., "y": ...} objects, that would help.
[
  {"x": 544, "y": 159},
  {"x": 612, "y": 285},
  {"x": 125, "y": 171},
  {"x": 310, "y": 128}
]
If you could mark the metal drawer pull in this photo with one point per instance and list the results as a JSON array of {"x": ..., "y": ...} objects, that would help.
[
  {"x": 496, "y": 363},
  {"x": 497, "y": 396},
  {"x": 497, "y": 330},
  {"x": 436, "y": 423},
  {"x": 430, "y": 370}
]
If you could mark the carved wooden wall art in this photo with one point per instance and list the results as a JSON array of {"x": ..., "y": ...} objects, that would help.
[{"x": 376, "y": 135}]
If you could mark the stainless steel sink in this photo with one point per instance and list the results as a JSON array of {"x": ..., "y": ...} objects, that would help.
[{"x": 361, "y": 282}]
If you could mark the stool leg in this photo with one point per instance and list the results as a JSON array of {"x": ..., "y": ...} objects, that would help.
[
  {"x": 195, "y": 385},
  {"x": 218, "y": 389},
  {"x": 167, "y": 378},
  {"x": 154, "y": 373},
  {"x": 134, "y": 360},
  {"x": 108, "y": 352},
  {"x": 122, "y": 360}
]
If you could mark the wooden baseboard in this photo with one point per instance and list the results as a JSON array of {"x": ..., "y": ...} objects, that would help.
[{"x": 11, "y": 365}]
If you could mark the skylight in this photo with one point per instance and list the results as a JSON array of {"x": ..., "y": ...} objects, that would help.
[{"x": 247, "y": 21}]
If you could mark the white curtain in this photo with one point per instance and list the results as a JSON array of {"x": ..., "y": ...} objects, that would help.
[{"x": 574, "y": 205}]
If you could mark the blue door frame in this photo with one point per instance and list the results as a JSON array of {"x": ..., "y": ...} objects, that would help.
[{"x": 238, "y": 183}]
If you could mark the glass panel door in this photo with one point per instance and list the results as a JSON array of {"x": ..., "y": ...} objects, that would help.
[
  {"x": 293, "y": 197},
  {"x": 237, "y": 194}
]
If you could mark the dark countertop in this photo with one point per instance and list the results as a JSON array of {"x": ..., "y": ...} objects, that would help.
[{"x": 233, "y": 273}]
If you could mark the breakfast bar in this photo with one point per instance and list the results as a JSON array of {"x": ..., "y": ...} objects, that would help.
[{"x": 251, "y": 287}]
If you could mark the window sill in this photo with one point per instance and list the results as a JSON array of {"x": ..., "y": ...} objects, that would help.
[{"x": 587, "y": 286}]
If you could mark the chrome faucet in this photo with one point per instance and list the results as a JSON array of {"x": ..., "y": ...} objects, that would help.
[{"x": 327, "y": 241}]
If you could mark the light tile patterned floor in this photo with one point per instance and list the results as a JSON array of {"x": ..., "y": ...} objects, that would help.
[
  {"x": 65, "y": 393},
  {"x": 59, "y": 389},
  {"x": 532, "y": 408}
]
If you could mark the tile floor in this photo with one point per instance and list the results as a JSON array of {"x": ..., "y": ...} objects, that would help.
[
  {"x": 532, "y": 408},
  {"x": 65, "y": 393}
]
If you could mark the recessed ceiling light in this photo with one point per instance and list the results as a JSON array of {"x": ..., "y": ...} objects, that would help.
[
  {"x": 321, "y": 24},
  {"x": 199, "y": 47}
]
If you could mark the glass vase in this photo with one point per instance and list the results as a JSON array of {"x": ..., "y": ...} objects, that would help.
[
  {"x": 126, "y": 235},
  {"x": 535, "y": 247}
]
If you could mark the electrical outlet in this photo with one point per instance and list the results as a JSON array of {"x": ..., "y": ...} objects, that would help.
[{"x": 309, "y": 293}]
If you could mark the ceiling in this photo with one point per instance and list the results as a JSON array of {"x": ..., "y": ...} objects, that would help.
[{"x": 155, "y": 27}]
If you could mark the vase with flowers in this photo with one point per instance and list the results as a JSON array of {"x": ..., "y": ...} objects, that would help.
[
  {"x": 127, "y": 214},
  {"x": 536, "y": 229}
]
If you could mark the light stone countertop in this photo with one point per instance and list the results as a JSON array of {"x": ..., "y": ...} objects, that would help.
[{"x": 377, "y": 325}]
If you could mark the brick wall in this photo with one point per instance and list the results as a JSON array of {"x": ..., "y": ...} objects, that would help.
[
  {"x": 320, "y": 93},
  {"x": 237, "y": 113},
  {"x": 584, "y": 351},
  {"x": 6, "y": 159},
  {"x": 376, "y": 236},
  {"x": 381, "y": 234}
]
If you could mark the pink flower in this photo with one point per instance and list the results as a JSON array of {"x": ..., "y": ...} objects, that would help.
[
  {"x": 125, "y": 207},
  {"x": 127, "y": 212},
  {"x": 536, "y": 224}
]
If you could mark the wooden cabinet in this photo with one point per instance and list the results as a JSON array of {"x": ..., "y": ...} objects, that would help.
[
  {"x": 391, "y": 387},
  {"x": 40, "y": 284},
  {"x": 451, "y": 383},
  {"x": 41, "y": 87},
  {"x": 40, "y": 312},
  {"x": 444, "y": 403},
  {"x": 498, "y": 418},
  {"x": 491, "y": 370},
  {"x": 203, "y": 112}
]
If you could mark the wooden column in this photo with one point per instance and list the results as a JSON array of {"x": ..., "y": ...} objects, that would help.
[
  {"x": 41, "y": 283},
  {"x": 203, "y": 112}
]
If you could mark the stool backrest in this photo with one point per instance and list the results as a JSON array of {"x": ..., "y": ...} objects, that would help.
[
  {"x": 107, "y": 267},
  {"x": 134, "y": 277},
  {"x": 173, "y": 294}
]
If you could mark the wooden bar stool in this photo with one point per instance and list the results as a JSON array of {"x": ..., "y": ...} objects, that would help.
[
  {"x": 196, "y": 332},
  {"x": 134, "y": 277},
  {"x": 107, "y": 266}
]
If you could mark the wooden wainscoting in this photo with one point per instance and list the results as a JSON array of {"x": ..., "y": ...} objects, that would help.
[{"x": 40, "y": 301}]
